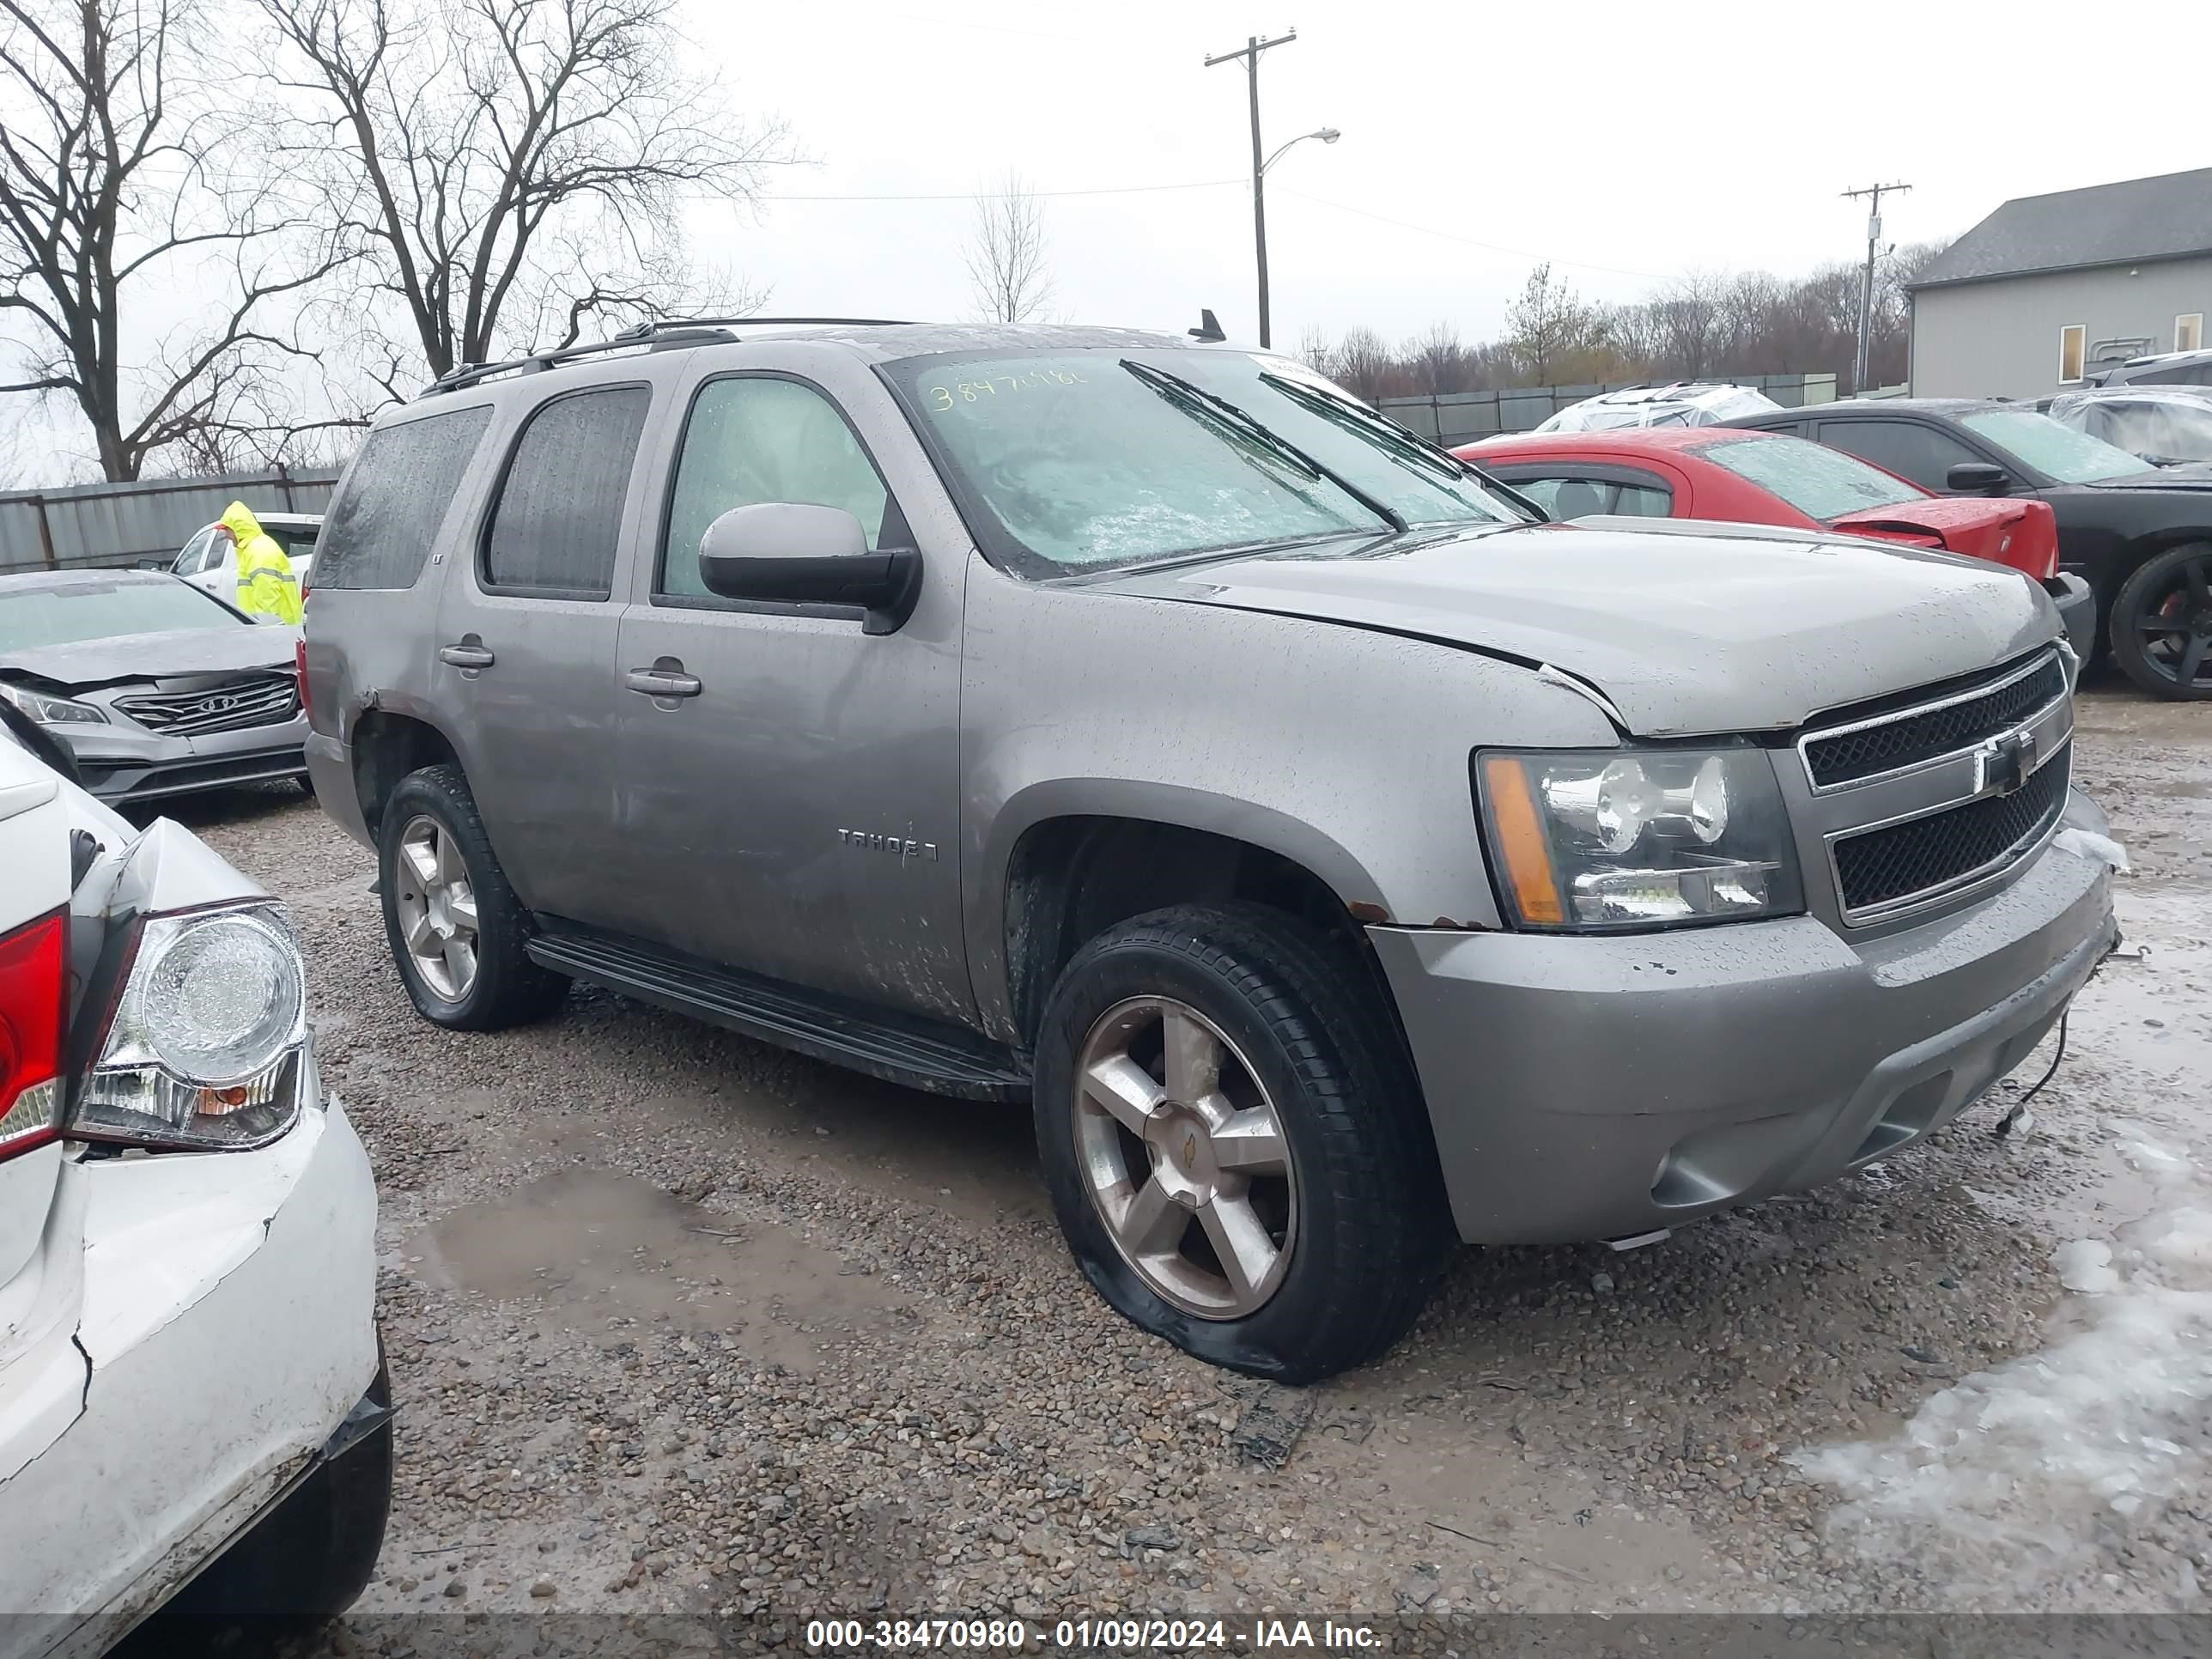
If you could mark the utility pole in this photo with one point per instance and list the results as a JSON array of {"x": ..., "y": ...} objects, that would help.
[
  {"x": 1859, "y": 365},
  {"x": 1254, "y": 45}
]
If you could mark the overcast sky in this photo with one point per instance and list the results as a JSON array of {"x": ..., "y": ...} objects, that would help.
[{"x": 1625, "y": 143}]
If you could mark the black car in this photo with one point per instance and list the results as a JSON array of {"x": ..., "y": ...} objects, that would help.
[
  {"x": 2161, "y": 368},
  {"x": 2141, "y": 535}
]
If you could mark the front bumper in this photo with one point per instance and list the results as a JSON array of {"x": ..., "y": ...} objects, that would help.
[
  {"x": 123, "y": 764},
  {"x": 226, "y": 1334},
  {"x": 1601, "y": 1087}
]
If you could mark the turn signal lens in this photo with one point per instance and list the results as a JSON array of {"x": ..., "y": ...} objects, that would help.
[{"x": 1522, "y": 845}]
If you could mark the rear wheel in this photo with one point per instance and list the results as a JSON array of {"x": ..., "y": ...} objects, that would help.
[
  {"x": 457, "y": 933},
  {"x": 2162, "y": 627},
  {"x": 1234, "y": 1144}
]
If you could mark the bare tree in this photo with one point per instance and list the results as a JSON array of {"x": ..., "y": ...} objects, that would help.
[
  {"x": 514, "y": 169},
  {"x": 114, "y": 197},
  {"x": 1008, "y": 257},
  {"x": 1314, "y": 351},
  {"x": 1365, "y": 364},
  {"x": 1436, "y": 362},
  {"x": 1556, "y": 336}
]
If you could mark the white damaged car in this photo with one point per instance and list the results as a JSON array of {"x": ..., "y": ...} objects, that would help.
[{"x": 193, "y": 1408}]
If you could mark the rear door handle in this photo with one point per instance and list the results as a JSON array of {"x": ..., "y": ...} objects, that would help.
[
  {"x": 467, "y": 656},
  {"x": 663, "y": 683}
]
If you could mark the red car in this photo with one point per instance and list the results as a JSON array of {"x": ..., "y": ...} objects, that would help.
[{"x": 1766, "y": 478}]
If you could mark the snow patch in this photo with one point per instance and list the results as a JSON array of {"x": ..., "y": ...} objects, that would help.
[
  {"x": 2099, "y": 849},
  {"x": 1995, "y": 1485}
]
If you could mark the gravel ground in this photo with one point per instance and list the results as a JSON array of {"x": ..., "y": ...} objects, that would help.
[{"x": 682, "y": 1324}]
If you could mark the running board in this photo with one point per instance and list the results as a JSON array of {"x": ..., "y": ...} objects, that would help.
[{"x": 934, "y": 1055}]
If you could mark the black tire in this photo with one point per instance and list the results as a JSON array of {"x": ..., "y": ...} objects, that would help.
[
  {"x": 307, "y": 785},
  {"x": 508, "y": 988},
  {"x": 1373, "y": 1230},
  {"x": 2162, "y": 626}
]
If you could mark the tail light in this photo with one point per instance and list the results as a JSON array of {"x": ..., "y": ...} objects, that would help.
[
  {"x": 299, "y": 669},
  {"x": 33, "y": 1012}
]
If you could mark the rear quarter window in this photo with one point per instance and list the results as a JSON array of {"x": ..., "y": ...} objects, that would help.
[{"x": 381, "y": 528}]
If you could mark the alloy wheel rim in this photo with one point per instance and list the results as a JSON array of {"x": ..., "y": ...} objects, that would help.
[
  {"x": 2176, "y": 626},
  {"x": 1183, "y": 1157},
  {"x": 437, "y": 905}
]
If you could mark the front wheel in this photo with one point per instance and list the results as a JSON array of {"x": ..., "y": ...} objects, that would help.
[
  {"x": 1235, "y": 1143},
  {"x": 2162, "y": 623}
]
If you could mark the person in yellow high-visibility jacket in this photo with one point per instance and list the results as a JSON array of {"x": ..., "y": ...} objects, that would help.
[{"x": 267, "y": 589}]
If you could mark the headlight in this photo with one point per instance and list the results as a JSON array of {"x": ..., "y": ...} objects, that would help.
[
  {"x": 208, "y": 1037},
  {"x": 54, "y": 711},
  {"x": 1590, "y": 840}
]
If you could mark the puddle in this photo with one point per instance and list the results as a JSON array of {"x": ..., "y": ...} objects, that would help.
[{"x": 598, "y": 1251}]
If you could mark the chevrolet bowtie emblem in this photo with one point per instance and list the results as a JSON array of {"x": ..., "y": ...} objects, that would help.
[{"x": 2003, "y": 765}]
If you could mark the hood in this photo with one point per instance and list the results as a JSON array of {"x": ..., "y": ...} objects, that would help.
[
  {"x": 2192, "y": 476},
  {"x": 88, "y": 663},
  {"x": 237, "y": 519},
  {"x": 1688, "y": 628}
]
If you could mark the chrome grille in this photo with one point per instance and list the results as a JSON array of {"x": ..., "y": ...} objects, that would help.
[
  {"x": 1941, "y": 792},
  {"x": 1924, "y": 858},
  {"x": 1887, "y": 743},
  {"x": 255, "y": 700}
]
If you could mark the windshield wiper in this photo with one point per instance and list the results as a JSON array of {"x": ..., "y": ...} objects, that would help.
[
  {"x": 1400, "y": 443},
  {"x": 1195, "y": 400}
]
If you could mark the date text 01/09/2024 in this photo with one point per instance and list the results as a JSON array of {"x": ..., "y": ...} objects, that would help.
[{"x": 1112, "y": 1635}]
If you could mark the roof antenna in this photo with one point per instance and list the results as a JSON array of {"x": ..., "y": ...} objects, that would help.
[{"x": 1207, "y": 329}]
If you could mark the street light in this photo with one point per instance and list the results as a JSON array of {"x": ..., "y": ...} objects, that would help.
[
  {"x": 1326, "y": 134},
  {"x": 1249, "y": 56}
]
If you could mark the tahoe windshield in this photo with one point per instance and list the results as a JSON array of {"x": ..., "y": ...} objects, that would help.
[
  {"x": 2068, "y": 456},
  {"x": 1089, "y": 459},
  {"x": 1819, "y": 482},
  {"x": 30, "y": 617}
]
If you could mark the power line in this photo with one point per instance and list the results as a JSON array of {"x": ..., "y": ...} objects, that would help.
[
  {"x": 1493, "y": 247},
  {"x": 970, "y": 195}
]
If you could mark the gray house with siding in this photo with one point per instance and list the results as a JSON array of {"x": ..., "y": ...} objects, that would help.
[{"x": 2048, "y": 286}]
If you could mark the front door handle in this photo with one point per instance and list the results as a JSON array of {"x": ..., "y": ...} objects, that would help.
[
  {"x": 467, "y": 654},
  {"x": 662, "y": 682}
]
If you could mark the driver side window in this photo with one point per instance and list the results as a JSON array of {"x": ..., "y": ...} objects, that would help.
[
  {"x": 754, "y": 439},
  {"x": 194, "y": 558}
]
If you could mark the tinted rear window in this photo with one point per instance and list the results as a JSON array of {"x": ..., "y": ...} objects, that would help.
[
  {"x": 379, "y": 529},
  {"x": 560, "y": 508}
]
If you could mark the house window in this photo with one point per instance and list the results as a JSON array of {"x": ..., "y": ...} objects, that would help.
[
  {"x": 2072, "y": 341},
  {"x": 2189, "y": 332}
]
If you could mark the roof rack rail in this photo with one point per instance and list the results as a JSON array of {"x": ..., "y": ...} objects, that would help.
[
  {"x": 651, "y": 328},
  {"x": 468, "y": 375}
]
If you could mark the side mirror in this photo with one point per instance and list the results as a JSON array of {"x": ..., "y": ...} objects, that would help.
[
  {"x": 800, "y": 554},
  {"x": 1977, "y": 478}
]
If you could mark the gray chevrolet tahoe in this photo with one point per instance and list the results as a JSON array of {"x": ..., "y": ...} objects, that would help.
[{"x": 1342, "y": 861}]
